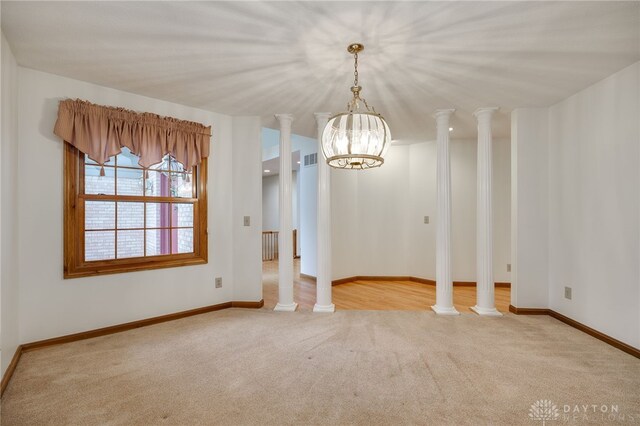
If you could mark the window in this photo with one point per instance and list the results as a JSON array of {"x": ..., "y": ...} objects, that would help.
[{"x": 122, "y": 217}]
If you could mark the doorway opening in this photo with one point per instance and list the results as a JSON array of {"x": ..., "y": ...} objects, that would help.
[{"x": 304, "y": 193}]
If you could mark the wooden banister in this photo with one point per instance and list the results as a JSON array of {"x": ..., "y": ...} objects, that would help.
[{"x": 270, "y": 245}]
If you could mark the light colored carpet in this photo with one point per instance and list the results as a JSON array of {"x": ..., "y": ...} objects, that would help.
[{"x": 353, "y": 367}]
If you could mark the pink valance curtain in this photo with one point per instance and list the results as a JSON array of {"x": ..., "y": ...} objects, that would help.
[{"x": 101, "y": 132}]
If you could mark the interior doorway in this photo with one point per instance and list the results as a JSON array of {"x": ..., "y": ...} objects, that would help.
[
  {"x": 304, "y": 192},
  {"x": 271, "y": 234},
  {"x": 271, "y": 207}
]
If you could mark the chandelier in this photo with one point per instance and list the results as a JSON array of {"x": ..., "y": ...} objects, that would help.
[{"x": 358, "y": 138}]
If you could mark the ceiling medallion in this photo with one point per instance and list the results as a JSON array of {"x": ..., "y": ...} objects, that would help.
[{"x": 358, "y": 138}]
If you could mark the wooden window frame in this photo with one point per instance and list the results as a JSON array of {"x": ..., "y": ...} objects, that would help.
[{"x": 74, "y": 221}]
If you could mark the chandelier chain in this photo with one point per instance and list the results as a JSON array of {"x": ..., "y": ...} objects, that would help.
[
  {"x": 359, "y": 137},
  {"x": 354, "y": 103},
  {"x": 355, "y": 72}
]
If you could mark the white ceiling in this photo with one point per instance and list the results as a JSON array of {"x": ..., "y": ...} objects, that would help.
[{"x": 261, "y": 58}]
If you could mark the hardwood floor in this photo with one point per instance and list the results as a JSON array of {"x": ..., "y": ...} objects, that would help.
[{"x": 372, "y": 295}]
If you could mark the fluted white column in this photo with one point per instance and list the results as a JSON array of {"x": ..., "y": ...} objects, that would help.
[
  {"x": 285, "y": 238},
  {"x": 323, "y": 278},
  {"x": 485, "y": 294},
  {"x": 444, "y": 285}
]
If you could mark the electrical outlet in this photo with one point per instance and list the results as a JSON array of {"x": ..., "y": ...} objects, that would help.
[
  {"x": 247, "y": 221},
  {"x": 426, "y": 220},
  {"x": 508, "y": 267},
  {"x": 218, "y": 282},
  {"x": 567, "y": 293}
]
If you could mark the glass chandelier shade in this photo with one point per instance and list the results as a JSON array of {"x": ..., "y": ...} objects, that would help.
[{"x": 358, "y": 138}]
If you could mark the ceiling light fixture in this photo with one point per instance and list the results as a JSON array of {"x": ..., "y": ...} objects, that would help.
[
  {"x": 267, "y": 171},
  {"x": 451, "y": 129},
  {"x": 358, "y": 138}
]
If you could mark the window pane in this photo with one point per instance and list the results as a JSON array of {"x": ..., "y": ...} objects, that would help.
[
  {"x": 130, "y": 215},
  {"x": 129, "y": 181},
  {"x": 176, "y": 166},
  {"x": 157, "y": 241},
  {"x": 130, "y": 244},
  {"x": 99, "y": 215},
  {"x": 182, "y": 240},
  {"x": 158, "y": 215},
  {"x": 165, "y": 164},
  {"x": 182, "y": 215},
  {"x": 181, "y": 186},
  {"x": 88, "y": 160},
  {"x": 156, "y": 184},
  {"x": 168, "y": 163},
  {"x": 96, "y": 184},
  {"x": 127, "y": 159},
  {"x": 99, "y": 245}
]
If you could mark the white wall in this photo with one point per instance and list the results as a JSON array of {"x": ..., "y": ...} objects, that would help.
[
  {"x": 594, "y": 226},
  {"x": 9, "y": 289},
  {"x": 383, "y": 216},
  {"x": 378, "y": 215},
  {"x": 344, "y": 223},
  {"x": 51, "y": 306},
  {"x": 422, "y": 163},
  {"x": 308, "y": 199},
  {"x": 247, "y": 201},
  {"x": 501, "y": 210},
  {"x": 463, "y": 209},
  {"x": 270, "y": 205},
  {"x": 529, "y": 208}
]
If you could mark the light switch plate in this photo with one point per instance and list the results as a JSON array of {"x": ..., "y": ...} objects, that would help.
[
  {"x": 426, "y": 220},
  {"x": 567, "y": 293},
  {"x": 247, "y": 221}
]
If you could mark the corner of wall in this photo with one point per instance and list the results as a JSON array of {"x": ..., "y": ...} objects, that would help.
[
  {"x": 529, "y": 208},
  {"x": 514, "y": 207},
  {"x": 247, "y": 201},
  {"x": 344, "y": 215},
  {"x": 594, "y": 224},
  {"x": 9, "y": 289}
]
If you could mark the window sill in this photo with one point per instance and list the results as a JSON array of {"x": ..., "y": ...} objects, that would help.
[{"x": 92, "y": 269}]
